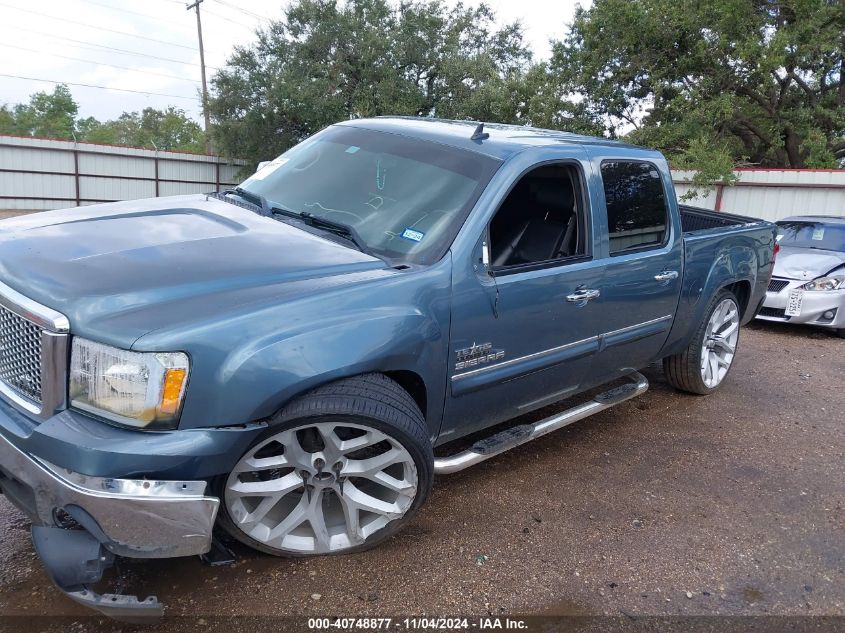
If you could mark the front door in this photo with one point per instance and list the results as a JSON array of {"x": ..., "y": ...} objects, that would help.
[{"x": 525, "y": 335}]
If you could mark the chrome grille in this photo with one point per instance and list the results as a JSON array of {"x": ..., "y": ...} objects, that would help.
[
  {"x": 776, "y": 285},
  {"x": 20, "y": 354}
]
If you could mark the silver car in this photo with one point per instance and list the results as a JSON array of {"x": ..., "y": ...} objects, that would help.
[{"x": 808, "y": 282}]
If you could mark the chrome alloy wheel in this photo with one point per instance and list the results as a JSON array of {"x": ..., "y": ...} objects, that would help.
[
  {"x": 321, "y": 487},
  {"x": 720, "y": 339}
]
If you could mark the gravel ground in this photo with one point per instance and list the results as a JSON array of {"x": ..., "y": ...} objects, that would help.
[{"x": 666, "y": 505}]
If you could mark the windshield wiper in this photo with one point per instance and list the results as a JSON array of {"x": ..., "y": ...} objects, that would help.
[
  {"x": 253, "y": 198},
  {"x": 337, "y": 228}
]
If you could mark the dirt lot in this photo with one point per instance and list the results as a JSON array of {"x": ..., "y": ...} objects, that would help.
[
  {"x": 11, "y": 214},
  {"x": 666, "y": 505}
]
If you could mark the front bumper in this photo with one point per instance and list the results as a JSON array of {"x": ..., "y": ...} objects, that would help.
[
  {"x": 137, "y": 518},
  {"x": 130, "y": 517},
  {"x": 813, "y": 306}
]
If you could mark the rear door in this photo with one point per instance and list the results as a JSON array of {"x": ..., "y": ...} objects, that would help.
[{"x": 643, "y": 256}]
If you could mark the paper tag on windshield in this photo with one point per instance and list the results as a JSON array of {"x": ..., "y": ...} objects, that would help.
[
  {"x": 414, "y": 236},
  {"x": 818, "y": 234},
  {"x": 268, "y": 169}
]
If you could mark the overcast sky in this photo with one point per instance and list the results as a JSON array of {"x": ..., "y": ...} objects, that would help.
[{"x": 74, "y": 41}]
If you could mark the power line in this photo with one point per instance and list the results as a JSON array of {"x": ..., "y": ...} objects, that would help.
[
  {"x": 231, "y": 20},
  {"x": 242, "y": 10},
  {"x": 91, "y": 61},
  {"x": 219, "y": 15},
  {"x": 98, "y": 28},
  {"x": 71, "y": 83},
  {"x": 144, "y": 15},
  {"x": 110, "y": 48}
]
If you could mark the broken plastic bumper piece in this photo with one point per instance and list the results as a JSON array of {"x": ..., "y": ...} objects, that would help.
[
  {"x": 74, "y": 559},
  {"x": 110, "y": 517}
]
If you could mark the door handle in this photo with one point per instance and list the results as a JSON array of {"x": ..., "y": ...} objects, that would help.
[
  {"x": 585, "y": 294},
  {"x": 666, "y": 275}
]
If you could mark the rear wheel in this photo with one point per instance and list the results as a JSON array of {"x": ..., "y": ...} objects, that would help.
[
  {"x": 703, "y": 366},
  {"x": 340, "y": 470}
]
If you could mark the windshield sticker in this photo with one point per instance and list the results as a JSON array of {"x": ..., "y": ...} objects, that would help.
[
  {"x": 414, "y": 236},
  {"x": 352, "y": 149},
  {"x": 818, "y": 233}
]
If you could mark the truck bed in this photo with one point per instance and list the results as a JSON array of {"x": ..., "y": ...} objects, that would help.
[{"x": 695, "y": 219}]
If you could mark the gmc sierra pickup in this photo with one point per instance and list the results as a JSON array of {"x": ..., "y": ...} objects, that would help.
[{"x": 295, "y": 359}]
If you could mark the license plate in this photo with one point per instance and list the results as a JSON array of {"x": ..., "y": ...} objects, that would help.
[{"x": 793, "y": 304}]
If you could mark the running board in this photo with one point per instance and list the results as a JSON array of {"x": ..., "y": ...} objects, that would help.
[{"x": 518, "y": 435}]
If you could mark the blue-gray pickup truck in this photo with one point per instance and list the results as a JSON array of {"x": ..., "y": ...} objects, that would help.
[{"x": 292, "y": 361}]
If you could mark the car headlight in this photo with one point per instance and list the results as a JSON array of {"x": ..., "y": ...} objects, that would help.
[
  {"x": 142, "y": 390},
  {"x": 834, "y": 282}
]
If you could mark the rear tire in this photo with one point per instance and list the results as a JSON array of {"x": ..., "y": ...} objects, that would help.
[
  {"x": 340, "y": 470},
  {"x": 701, "y": 368}
]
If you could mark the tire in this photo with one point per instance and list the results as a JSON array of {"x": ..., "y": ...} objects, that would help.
[
  {"x": 686, "y": 371},
  {"x": 841, "y": 332},
  {"x": 378, "y": 421}
]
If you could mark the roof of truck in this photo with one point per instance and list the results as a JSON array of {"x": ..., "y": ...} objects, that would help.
[{"x": 503, "y": 142}]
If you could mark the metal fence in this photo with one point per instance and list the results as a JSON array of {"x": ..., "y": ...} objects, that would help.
[
  {"x": 773, "y": 194},
  {"x": 38, "y": 174}
]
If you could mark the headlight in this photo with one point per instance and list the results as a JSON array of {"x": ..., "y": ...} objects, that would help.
[
  {"x": 834, "y": 282},
  {"x": 144, "y": 390}
]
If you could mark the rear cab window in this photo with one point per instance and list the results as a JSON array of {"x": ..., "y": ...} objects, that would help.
[{"x": 637, "y": 213}]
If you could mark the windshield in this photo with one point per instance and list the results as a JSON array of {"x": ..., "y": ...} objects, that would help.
[
  {"x": 808, "y": 234},
  {"x": 405, "y": 198}
]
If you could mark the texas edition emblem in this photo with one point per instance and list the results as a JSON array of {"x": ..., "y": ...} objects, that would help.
[{"x": 477, "y": 355}]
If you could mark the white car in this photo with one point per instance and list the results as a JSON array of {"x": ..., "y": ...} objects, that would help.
[{"x": 808, "y": 283}]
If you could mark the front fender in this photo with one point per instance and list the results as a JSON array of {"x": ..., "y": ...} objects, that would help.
[
  {"x": 274, "y": 371},
  {"x": 248, "y": 362}
]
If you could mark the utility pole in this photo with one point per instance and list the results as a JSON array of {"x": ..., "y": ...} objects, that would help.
[{"x": 209, "y": 148}]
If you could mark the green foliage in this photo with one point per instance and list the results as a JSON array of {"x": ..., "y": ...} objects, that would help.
[
  {"x": 714, "y": 83},
  {"x": 54, "y": 116},
  {"x": 169, "y": 129},
  {"x": 331, "y": 60},
  {"x": 48, "y": 115}
]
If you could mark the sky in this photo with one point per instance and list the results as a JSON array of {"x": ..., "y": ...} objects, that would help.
[{"x": 137, "y": 49}]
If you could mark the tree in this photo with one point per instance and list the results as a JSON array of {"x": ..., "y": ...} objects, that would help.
[
  {"x": 50, "y": 115},
  {"x": 714, "y": 83},
  {"x": 54, "y": 116},
  {"x": 329, "y": 60},
  {"x": 169, "y": 129}
]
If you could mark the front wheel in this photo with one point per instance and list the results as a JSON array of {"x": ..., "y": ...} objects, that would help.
[
  {"x": 340, "y": 470},
  {"x": 703, "y": 366}
]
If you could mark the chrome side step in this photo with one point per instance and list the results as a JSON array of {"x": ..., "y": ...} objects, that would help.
[{"x": 510, "y": 438}]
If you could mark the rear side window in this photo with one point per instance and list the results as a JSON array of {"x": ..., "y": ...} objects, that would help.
[{"x": 637, "y": 216}]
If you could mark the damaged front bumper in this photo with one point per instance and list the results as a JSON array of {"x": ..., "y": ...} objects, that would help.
[{"x": 124, "y": 517}]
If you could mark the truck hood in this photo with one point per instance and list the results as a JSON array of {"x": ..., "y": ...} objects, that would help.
[
  {"x": 806, "y": 263},
  {"x": 118, "y": 270}
]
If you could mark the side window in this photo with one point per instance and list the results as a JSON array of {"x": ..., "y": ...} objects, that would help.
[
  {"x": 637, "y": 216},
  {"x": 542, "y": 219}
]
